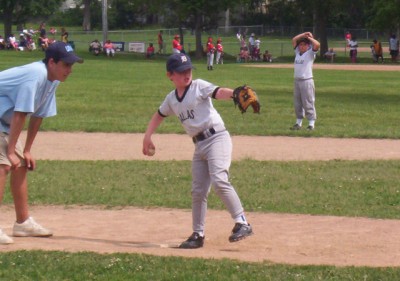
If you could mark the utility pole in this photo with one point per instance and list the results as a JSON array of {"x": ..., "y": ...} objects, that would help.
[{"x": 104, "y": 7}]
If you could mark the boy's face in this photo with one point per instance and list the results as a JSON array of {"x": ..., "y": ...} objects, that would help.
[
  {"x": 181, "y": 79},
  {"x": 303, "y": 47},
  {"x": 58, "y": 71}
]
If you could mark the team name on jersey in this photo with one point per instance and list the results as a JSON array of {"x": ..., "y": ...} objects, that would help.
[
  {"x": 299, "y": 61},
  {"x": 185, "y": 116}
]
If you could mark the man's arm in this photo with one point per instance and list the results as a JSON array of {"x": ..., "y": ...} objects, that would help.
[
  {"x": 33, "y": 128},
  {"x": 16, "y": 126}
]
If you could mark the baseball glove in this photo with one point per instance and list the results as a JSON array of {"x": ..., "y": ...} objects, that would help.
[{"x": 244, "y": 96}]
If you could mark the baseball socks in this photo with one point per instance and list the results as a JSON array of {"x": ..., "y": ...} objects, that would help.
[{"x": 241, "y": 219}]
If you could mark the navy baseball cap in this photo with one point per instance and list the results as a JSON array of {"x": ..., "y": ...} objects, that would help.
[
  {"x": 179, "y": 63},
  {"x": 62, "y": 51}
]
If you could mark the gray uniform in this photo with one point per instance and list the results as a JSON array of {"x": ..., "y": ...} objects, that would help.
[
  {"x": 213, "y": 148},
  {"x": 304, "y": 89}
]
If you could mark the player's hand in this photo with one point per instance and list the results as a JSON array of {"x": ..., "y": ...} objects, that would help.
[
  {"x": 15, "y": 161},
  {"x": 30, "y": 161},
  {"x": 148, "y": 145}
]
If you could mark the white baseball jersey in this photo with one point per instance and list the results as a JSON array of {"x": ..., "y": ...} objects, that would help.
[
  {"x": 195, "y": 109},
  {"x": 303, "y": 64}
]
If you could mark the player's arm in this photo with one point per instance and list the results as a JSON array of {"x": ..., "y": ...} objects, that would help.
[
  {"x": 17, "y": 124},
  {"x": 300, "y": 36},
  {"x": 33, "y": 128},
  {"x": 155, "y": 121},
  {"x": 223, "y": 94},
  {"x": 315, "y": 44}
]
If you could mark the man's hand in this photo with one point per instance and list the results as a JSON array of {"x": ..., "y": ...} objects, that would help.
[
  {"x": 15, "y": 161},
  {"x": 30, "y": 161}
]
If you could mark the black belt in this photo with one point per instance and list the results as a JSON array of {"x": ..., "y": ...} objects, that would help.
[{"x": 204, "y": 135}]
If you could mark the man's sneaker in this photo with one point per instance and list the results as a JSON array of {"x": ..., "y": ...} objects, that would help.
[
  {"x": 30, "y": 228},
  {"x": 5, "y": 239},
  {"x": 193, "y": 242},
  {"x": 310, "y": 128},
  {"x": 295, "y": 127},
  {"x": 240, "y": 231}
]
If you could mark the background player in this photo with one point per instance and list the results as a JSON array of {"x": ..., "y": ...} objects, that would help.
[
  {"x": 191, "y": 103},
  {"x": 28, "y": 91},
  {"x": 306, "y": 47}
]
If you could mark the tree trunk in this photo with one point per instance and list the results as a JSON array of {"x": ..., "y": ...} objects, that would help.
[
  {"x": 321, "y": 12},
  {"x": 197, "y": 32},
  {"x": 7, "y": 19},
  {"x": 86, "y": 16}
]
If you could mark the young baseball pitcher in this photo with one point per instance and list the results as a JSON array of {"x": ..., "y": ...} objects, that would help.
[
  {"x": 191, "y": 102},
  {"x": 305, "y": 47},
  {"x": 28, "y": 92}
]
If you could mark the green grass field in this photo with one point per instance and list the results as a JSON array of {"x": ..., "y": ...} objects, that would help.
[{"x": 121, "y": 94}]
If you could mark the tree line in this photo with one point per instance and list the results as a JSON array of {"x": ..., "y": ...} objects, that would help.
[{"x": 203, "y": 15}]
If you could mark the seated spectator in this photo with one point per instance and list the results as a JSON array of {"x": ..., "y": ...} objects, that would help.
[
  {"x": 43, "y": 42},
  {"x": 2, "y": 43},
  {"x": 150, "y": 51},
  {"x": 13, "y": 44},
  {"x": 109, "y": 48},
  {"x": 23, "y": 44},
  {"x": 95, "y": 47},
  {"x": 267, "y": 57},
  {"x": 243, "y": 55},
  {"x": 330, "y": 55},
  {"x": 256, "y": 55}
]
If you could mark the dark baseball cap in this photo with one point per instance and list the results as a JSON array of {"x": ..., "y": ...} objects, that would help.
[
  {"x": 62, "y": 51},
  {"x": 304, "y": 39},
  {"x": 179, "y": 63}
]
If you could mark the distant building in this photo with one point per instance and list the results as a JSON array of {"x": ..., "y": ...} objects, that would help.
[{"x": 68, "y": 4}]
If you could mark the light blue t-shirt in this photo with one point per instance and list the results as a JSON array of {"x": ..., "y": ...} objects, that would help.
[{"x": 26, "y": 89}]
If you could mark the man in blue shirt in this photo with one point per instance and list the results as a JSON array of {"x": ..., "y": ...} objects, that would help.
[{"x": 28, "y": 92}]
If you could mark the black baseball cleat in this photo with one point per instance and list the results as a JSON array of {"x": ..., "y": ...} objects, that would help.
[
  {"x": 295, "y": 127},
  {"x": 240, "y": 231},
  {"x": 193, "y": 242},
  {"x": 310, "y": 128}
]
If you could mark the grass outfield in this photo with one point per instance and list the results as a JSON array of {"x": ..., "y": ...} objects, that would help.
[{"x": 120, "y": 95}]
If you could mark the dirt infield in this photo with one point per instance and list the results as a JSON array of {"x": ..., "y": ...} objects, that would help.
[{"x": 279, "y": 238}]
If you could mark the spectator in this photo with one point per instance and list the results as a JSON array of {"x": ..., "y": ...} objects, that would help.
[
  {"x": 109, "y": 48},
  {"x": 347, "y": 38},
  {"x": 23, "y": 43},
  {"x": 330, "y": 55},
  {"x": 394, "y": 47},
  {"x": 13, "y": 42},
  {"x": 267, "y": 57},
  {"x": 353, "y": 44},
  {"x": 95, "y": 47},
  {"x": 376, "y": 50},
  {"x": 42, "y": 29},
  {"x": 150, "y": 51},
  {"x": 257, "y": 53},
  {"x": 160, "y": 42},
  {"x": 64, "y": 35},
  {"x": 43, "y": 42},
  {"x": 176, "y": 45},
  {"x": 53, "y": 31},
  {"x": 243, "y": 55},
  {"x": 2, "y": 43},
  {"x": 252, "y": 44}
]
